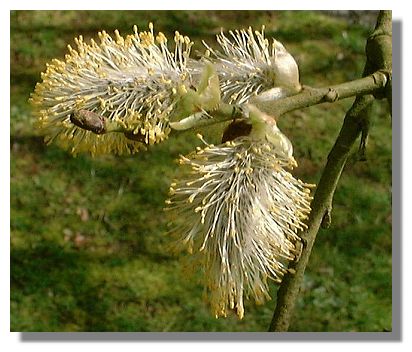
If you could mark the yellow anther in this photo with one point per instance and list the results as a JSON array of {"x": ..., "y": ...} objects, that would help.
[{"x": 161, "y": 38}]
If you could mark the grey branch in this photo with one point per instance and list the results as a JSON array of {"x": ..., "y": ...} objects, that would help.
[
  {"x": 372, "y": 84},
  {"x": 379, "y": 57}
]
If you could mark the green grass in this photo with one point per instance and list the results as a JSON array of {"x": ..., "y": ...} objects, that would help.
[{"x": 89, "y": 250}]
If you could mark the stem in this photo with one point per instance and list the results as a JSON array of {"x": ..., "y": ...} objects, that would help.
[
  {"x": 224, "y": 112},
  {"x": 372, "y": 83},
  {"x": 321, "y": 206},
  {"x": 307, "y": 97},
  {"x": 314, "y": 96}
]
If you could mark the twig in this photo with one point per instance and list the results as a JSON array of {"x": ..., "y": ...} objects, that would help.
[
  {"x": 314, "y": 96},
  {"x": 307, "y": 97},
  {"x": 226, "y": 112},
  {"x": 379, "y": 55},
  {"x": 321, "y": 207}
]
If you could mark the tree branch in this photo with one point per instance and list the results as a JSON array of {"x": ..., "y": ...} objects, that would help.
[
  {"x": 373, "y": 83},
  {"x": 321, "y": 207},
  {"x": 378, "y": 53},
  {"x": 313, "y": 96}
]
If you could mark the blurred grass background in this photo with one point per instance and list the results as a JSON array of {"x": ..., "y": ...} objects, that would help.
[{"x": 88, "y": 244}]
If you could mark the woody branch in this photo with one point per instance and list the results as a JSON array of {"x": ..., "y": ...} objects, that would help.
[{"x": 379, "y": 56}]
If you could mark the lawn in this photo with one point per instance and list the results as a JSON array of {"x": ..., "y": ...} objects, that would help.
[{"x": 89, "y": 249}]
